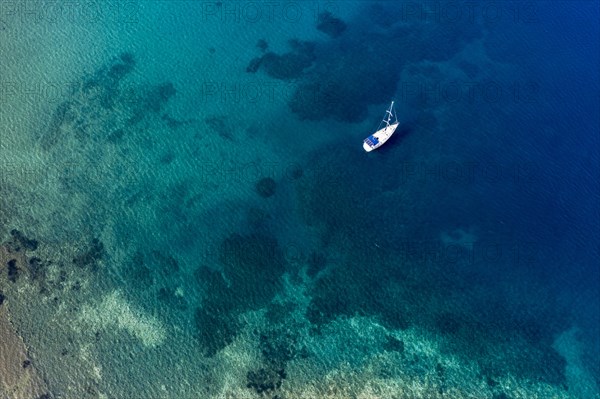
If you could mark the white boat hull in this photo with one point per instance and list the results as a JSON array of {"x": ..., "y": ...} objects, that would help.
[{"x": 380, "y": 137}]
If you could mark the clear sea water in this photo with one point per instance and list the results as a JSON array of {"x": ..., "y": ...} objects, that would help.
[{"x": 185, "y": 190}]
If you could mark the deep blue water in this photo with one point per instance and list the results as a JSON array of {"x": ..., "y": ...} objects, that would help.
[{"x": 464, "y": 252}]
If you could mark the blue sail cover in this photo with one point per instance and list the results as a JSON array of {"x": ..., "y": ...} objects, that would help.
[{"x": 371, "y": 140}]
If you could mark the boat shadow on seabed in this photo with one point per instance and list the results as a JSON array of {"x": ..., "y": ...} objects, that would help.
[{"x": 399, "y": 135}]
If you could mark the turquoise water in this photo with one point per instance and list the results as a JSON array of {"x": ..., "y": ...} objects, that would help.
[{"x": 207, "y": 225}]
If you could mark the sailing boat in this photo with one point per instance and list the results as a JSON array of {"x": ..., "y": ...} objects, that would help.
[{"x": 383, "y": 133}]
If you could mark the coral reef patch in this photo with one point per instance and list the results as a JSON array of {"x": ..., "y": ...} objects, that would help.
[
  {"x": 288, "y": 65},
  {"x": 266, "y": 187},
  {"x": 330, "y": 25}
]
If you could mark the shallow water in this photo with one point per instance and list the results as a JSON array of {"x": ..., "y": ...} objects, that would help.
[{"x": 191, "y": 214}]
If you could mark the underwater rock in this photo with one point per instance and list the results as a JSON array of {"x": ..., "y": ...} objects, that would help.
[
  {"x": 294, "y": 172},
  {"x": 326, "y": 198},
  {"x": 265, "y": 380},
  {"x": 36, "y": 268},
  {"x": 91, "y": 256},
  {"x": 140, "y": 272},
  {"x": 151, "y": 100},
  {"x": 348, "y": 292},
  {"x": 277, "y": 312},
  {"x": 172, "y": 298},
  {"x": 59, "y": 118},
  {"x": 219, "y": 125},
  {"x": 115, "y": 136},
  {"x": 286, "y": 66},
  {"x": 254, "y": 65},
  {"x": 332, "y": 298},
  {"x": 117, "y": 71},
  {"x": 2, "y": 297},
  {"x": 157, "y": 96},
  {"x": 20, "y": 241},
  {"x": 13, "y": 270},
  {"x": 316, "y": 262},
  {"x": 215, "y": 320},
  {"x": 279, "y": 346},
  {"x": 175, "y": 123},
  {"x": 107, "y": 80},
  {"x": 208, "y": 278},
  {"x": 262, "y": 45},
  {"x": 167, "y": 158},
  {"x": 330, "y": 25},
  {"x": 124, "y": 66},
  {"x": 266, "y": 187},
  {"x": 216, "y": 328},
  {"x": 253, "y": 265},
  {"x": 324, "y": 93},
  {"x": 255, "y": 256},
  {"x": 257, "y": 217},
  {"x": 168, "y": 265},
  {"x": 330, "y": 98},
  {"x": 447, "y": 323},
  {"x": 127, "y": 58},
  {"x": 393, "y": 344}
]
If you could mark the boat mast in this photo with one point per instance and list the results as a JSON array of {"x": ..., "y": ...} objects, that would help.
[{"x": 389, "y": 114}]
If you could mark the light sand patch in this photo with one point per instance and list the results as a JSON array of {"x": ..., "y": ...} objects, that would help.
[
  {"x": 16, "y": 381},
  {"x": 115, "y": 312}
]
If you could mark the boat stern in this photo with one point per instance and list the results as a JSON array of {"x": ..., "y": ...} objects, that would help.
[{"x": 370, "y": 143}]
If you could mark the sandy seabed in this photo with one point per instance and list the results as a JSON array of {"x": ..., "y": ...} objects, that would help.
[{"x": 19, "y": 377}]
